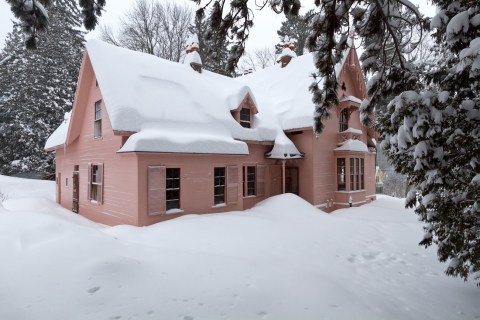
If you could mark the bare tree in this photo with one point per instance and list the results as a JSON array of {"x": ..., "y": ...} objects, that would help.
[
  {"x": 258, "y": 59},
  {"x": 153, "y": 27}
]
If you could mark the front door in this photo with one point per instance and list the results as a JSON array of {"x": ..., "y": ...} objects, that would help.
[
  {"x": 59, "y": 186},
  {"x": 75, "y": 186},
  {"x": 291, "y": 180}
]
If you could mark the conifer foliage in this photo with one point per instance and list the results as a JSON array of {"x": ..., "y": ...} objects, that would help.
[
  {"x": 297, "y": 28},
  {"x": 36, "y": 89},
  {"x": 433, "y": 136},
  {"x": 34, "y": 16}
]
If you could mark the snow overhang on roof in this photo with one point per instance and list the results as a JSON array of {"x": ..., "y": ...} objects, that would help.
[
  {"x": 59, "y": 136},
  {"x": 183, "y": 137},
  {"x": 352, "y": 130},
  {"x": 284, "y": 149},
  {"x": 353, "y": 145},
  {"x": 352, "y": 99}
]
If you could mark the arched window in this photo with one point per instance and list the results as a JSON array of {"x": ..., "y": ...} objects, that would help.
[{"x": 343, "y": 120}]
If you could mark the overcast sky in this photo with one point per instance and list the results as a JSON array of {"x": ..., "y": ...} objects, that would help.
[{"x": 263, "y": 33}]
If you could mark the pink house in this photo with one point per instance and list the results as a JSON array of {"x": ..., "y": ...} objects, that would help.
[{"x": 149, "y": 139}]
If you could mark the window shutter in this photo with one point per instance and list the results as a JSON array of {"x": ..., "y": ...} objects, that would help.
[
  {"x": 260, "y": 180},
  {"x": 89, "y": 180},
  {"x": 100, "y": 191},
  {"x": 156, "y": 190},
  {"x": 232, "y": 184}
]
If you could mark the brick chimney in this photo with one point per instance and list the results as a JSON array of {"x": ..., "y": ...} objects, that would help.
[
  {"x": 192, "y": 56},
  {"x": 288, "y": 52}
]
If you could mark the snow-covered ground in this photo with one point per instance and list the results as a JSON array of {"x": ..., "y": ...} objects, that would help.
[{"x": 282, "y": 259}]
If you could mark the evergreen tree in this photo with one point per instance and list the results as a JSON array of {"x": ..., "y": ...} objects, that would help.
[
  {"x": 214, "y": 57},
  {"x": 296, "y": 28},
  {"x": 34, "y": 16},
  {"x": 37, "y": 88},
  {"x": 433, "y": 136}
]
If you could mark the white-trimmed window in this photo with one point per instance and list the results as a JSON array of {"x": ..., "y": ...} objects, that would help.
[
  {"x": 219, "y": 186},
  {"x": 357, "y": 174},
  {"x": 245, "y": 118},
  {"x": 341, "y": 174},
  {"x": 95, "y": 182},
  {"x": 97, "y": 124}
]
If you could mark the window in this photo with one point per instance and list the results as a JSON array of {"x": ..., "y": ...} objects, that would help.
[
  {"x": 362, "y": 174},
  {"x": 343, "y": 120},
  {"x": 245, "y": 119},
  {"x": 219, "y": 186},
  {"x": 172, "y": 188},
  {"x": 357, "y": 173},
  {"x": 95, "y": 182},
  {"x": 97, "y": 125},
  {"x": 341, "y": 174},
  {"x": 249, "y": 181},
  {"x": 352, "y": 174}
]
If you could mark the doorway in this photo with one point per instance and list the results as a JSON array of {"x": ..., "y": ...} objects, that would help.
[
  {"x": 291, "y": 180},
  {"x": 75, "y": 187}
]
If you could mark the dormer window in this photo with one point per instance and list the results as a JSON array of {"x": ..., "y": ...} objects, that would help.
[
  {"x": 343, "y": 120},
  {"x": 245, "y": 118}
]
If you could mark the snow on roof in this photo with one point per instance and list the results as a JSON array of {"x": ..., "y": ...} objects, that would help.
[
  {"x": 285, "y": 90},
  {"x": 351, "y": 98},
  {"x": 192, "y": 57},
  {"x": 58, "y": 137},
  {"x": 287, "y": 52},
  {"x": 353, "y": 145},
  {"x": 184, "y": 138},
  {"x": 284, "y": 149},
  {"x": 145, "y": 93},
  {"x": 353, "y": 130}
]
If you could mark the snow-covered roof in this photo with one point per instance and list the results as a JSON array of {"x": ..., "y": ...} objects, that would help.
[
  {"x": 285, "y": 90},
  {"x": 145, "y": 94},
  {"x": 353, "y": 145},
  {"x": 353, "y": 130},
  {"x": 58, "y": 137},
  {"x": 351, "y": 98}
]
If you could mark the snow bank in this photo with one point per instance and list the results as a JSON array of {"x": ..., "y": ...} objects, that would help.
[{"x": 282, "y": 259}]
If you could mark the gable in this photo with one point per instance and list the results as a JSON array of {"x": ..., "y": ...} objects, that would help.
[
  {"x": 85, "y": 79},
  {"x": 350, "y": 78}
]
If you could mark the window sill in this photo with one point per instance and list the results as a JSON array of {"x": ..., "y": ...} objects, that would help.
[
  {"x": 98, "y": 138},
  {"x": 174, "y": 211},
  {"x": 220, "y": 205},
  {"x": 95, "y": 202},
  {"x": 353, "y": 191},
  {"x": 247, "y": 197}
]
